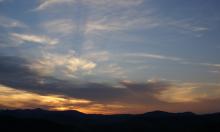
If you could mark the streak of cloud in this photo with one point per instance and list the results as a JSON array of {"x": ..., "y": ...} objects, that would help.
[{"x": 22, "y": 38}]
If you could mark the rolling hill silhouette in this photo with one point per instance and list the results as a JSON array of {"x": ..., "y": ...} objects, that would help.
[{"x": 74, "y": 121}]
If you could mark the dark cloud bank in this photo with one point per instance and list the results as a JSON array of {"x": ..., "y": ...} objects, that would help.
[{"x": 15, "y": 73}]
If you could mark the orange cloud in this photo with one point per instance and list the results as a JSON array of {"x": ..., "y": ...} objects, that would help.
[
  {"x": 12, "y": 98},
  {"x": 19, "y": 99}
]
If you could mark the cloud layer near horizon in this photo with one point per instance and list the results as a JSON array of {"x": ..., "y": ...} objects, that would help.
[{"x": 16, "y": 77}]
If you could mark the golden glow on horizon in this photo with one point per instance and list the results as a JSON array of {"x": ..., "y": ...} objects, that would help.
[
  {"x": 19, "y": 99},
  {"x": 173, "y": 98},
  {"x": 12, "y": 98}
]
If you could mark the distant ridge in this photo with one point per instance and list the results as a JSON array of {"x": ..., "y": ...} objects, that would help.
[
  {"x": 75, "y": 121},
  {"x": 164, "y": 114},
  {"x": 75, "y": 112}
]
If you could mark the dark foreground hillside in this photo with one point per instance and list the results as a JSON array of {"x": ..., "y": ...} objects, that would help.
[{"x": 73, "y": 121}]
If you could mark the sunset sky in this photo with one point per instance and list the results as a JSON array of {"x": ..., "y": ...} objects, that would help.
[{"x": 110, "y": 56}]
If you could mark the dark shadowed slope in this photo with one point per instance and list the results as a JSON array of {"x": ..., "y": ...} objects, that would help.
[{"x": 65, "y": 121}]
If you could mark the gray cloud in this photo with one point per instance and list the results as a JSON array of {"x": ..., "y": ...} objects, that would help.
[
  {"x": 11, "y": 23},
  {"x": 15, "y": 73}
]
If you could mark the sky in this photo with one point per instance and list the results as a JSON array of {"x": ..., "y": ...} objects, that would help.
[{"x": 110, "y": 56}]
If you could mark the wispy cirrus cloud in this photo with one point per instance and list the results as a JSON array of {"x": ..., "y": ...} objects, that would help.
[
  {"x": 204, "y": 64},
  {"x": 112, "y": 70},
  {"x": 99, "y": 56},
  {"x": 44, "y": 4},
  {"x": 152, "y": 56},
  {"x": 61, "y": 27},
  {"x": 187, "y": 24},
  {"x": 211, "y": 65},
  {"x": 120, "y": 24},
  {"x": 125, "y": 3},
  {"x": 215, "y": 71},
  {"x": 11, "y": 23},
  {"x": 22, "y": 38},
  {"x": 100, "y": 20}
]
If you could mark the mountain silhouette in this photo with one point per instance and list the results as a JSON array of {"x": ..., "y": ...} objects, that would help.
[{"x": 74, "y": 121}]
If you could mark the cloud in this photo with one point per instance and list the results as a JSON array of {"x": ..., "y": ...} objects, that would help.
[
  {"x": 11, "y": 23},
  {"x": 16, "y": 73},
  {"x": 211, "y": 65},
  {"x": 29, "y": 100},
  {"x": 100, "y": 20},
  {"x": 50, "y": 3},
  {"x": 153, "y": 94},
  {"x": 150, "y": 86},
  {"x": 61, "y": 27},
  {"x": 97, "y": 56},
  {"x": 215, "y": 67},
  {"x": 187, "y": 24},
  {"x": 123, "y": 3},
  {"x": 97, "y": 3},
  {"x": 215, "y": 71},
  {"x": 134, "y": 19},
  {"x": 61, "y": 65},
  {"x": 99, "y": 26},
  {"x": 200, "y": 29},
  {"x": 112, "y": 71},
  {"x": 152, "y": 56},
  {"x": 126, "y": 21},
  {"x": 190, "y": 92},
  {"x": 9, "y": 99},
  {"x": 128, "y": 17},
  {"x": 22, "y": 38}
]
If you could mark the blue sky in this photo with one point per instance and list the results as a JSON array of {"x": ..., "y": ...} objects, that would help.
[{"x": 116, "y": 43}]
